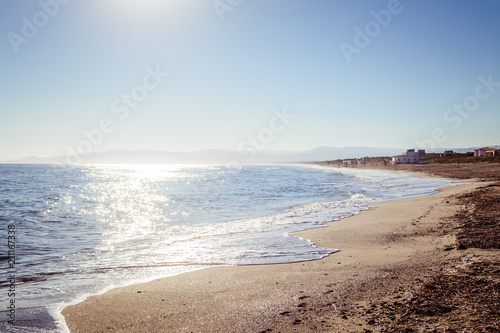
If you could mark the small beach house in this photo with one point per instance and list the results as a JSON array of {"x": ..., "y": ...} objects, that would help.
[
  {"x": 487, "y": 151},
  {"x": 349, "y": 163},
  {"x": 411, "y": 157}
]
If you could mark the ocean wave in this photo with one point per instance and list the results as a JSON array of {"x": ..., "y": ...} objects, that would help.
[{"x": 127, "y": 223}]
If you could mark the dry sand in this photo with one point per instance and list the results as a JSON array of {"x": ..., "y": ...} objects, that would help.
[{"x": 383, "y": 252}]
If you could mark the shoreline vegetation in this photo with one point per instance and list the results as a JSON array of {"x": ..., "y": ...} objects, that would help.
[{"x": 424, "y": 264}]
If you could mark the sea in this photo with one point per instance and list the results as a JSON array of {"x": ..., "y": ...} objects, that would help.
[{"x": 80, "y": 230}]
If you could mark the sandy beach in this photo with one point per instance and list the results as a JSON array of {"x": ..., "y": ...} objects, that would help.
[{"x": 388, "y": 256}]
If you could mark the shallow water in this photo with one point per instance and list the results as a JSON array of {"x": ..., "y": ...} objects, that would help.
[{"x": 81, "y": 230}]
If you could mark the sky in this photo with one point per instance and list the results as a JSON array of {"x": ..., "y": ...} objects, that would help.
[{"x": 80, "y": 76}]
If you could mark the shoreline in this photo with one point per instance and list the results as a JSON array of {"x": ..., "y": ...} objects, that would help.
[{"x": 269, "y": 297}]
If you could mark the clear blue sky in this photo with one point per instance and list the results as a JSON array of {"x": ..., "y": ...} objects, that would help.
[{"x": 226, "y": 76}]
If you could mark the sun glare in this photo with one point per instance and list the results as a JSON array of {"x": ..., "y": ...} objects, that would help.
[
  {"x": 148, "y": 8},
  {"x": 144, "y": 21}
]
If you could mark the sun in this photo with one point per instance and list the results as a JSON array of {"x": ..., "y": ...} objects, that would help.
[
  {"x": 150, "y": 8},
  {"x": 130, "y": 12},
  {"x": 142, "y": 21}
]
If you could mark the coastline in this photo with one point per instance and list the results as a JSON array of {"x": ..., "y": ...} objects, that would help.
[{"x": 394, "y": 242}]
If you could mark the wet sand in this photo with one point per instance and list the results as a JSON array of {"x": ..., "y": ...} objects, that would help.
[{"x": 386, "y": 254}]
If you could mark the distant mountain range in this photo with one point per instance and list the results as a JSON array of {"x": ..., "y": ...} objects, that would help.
[{"x": 215, "y": 156}]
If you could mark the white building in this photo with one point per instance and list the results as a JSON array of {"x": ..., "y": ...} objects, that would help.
[
  {"x": 411, "y": 157},
  {"x": 487, "y": 151},
  {"x": 349, "y": 163}
]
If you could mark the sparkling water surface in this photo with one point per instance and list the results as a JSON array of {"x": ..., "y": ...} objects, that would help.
[{"x": 81, "y": 230}]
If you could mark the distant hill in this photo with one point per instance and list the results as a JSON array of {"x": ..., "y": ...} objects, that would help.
[{"x": 212, "y": 156}]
